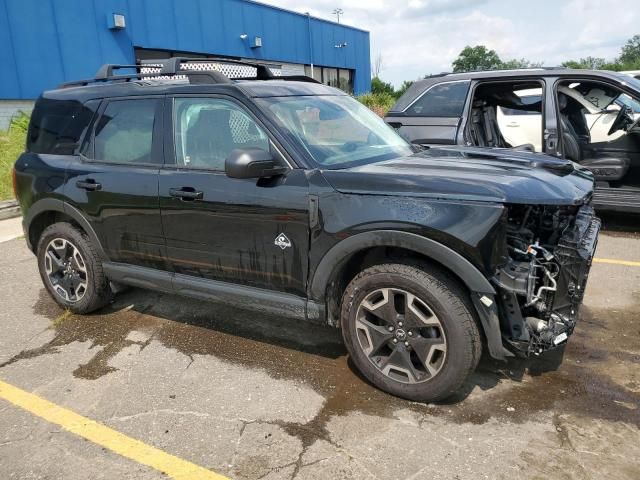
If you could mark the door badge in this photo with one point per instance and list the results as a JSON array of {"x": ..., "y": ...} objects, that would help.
[{"x": 282, "y": 241}]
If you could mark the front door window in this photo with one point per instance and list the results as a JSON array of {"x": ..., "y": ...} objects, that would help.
[{"x": 207, "y": 130}]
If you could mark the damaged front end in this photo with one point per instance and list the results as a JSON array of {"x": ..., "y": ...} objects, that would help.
[{"x": 541, "y": 287}]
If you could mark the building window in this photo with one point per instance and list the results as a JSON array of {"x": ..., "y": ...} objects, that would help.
[{"x": 341, "y": 78}]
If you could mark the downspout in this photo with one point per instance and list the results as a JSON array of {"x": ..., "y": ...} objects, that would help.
[{"x": 310, "y": 43}]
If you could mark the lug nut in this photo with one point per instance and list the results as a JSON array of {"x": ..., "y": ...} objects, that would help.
[
  {"x": 390, "y": 329},
  {"x": 395, "y": 340},
  {"x": 410, "y": 333},
  {"x": 406, "y": 344},
  {"x": 399, "y": 324}
]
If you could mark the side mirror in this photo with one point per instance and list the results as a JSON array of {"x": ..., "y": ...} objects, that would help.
[{"x": 252, "y": 163}]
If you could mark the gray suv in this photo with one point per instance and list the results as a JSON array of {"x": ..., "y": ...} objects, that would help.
[{"x": 589, "y": 117}]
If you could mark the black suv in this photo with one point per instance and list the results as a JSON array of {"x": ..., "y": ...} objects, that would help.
[
  {"x": 286, "y": 196},
  {"x": 589, "y": 117}
]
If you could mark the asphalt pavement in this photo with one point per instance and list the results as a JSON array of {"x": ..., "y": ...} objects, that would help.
[{"x": 157, "y": 385}]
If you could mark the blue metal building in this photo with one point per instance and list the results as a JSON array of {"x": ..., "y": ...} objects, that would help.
[{"x": 46, "y": 42}]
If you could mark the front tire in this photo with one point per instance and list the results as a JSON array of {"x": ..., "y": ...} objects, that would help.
[
  {"x": 71, "y": 269},
  {"x": 410, "y": 331}
]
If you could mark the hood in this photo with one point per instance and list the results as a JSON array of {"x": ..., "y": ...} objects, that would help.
[{"x": 468, "y": 173}]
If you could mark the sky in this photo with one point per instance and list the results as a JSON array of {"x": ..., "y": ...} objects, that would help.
[{"x": 418, "y": 37}]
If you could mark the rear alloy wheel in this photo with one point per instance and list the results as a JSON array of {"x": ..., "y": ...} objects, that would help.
[
  {"x": 71, "y": 269},
  {"x": 66, "y": 269},
  {"x": 410, "y": 331}
]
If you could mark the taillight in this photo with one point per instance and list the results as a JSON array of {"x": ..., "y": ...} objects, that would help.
[{"x": 15, "y": 182}]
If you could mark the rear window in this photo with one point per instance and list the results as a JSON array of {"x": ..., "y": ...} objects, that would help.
[
  {"x": 57, "y": 125},
  {"x": 444, "y": 100}
]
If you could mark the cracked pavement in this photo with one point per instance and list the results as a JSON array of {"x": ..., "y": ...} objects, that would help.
[{"x": 255, "y": 397}]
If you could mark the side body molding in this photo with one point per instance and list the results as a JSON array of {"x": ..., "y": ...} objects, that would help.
[
  {"x": 55, "y": 205},
  {"x": 334, "y": 258}
]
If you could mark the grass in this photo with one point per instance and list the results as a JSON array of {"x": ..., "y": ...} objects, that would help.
[
  {"x": 11, "y": 145},
  {"x": 380, "y": 103}
]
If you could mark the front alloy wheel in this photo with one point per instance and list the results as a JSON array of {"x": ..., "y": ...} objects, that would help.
[
  {"x": 401, "y": 335},
  {"x": 66, "y": 269},
  {"x": 410, "y": 330}
]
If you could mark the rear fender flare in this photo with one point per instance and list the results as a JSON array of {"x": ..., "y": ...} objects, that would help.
[{"x": 54, "y": 205}]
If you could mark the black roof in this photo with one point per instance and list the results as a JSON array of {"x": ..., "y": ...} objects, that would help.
[{"x": 418, "y": 87}]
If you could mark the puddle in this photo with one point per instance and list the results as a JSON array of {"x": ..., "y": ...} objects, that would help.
[{"x": 574, "y": 380}]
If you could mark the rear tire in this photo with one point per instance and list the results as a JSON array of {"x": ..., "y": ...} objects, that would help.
[
  {"x": 71, "y": 269},
  {"x": 410, "y": 331}
]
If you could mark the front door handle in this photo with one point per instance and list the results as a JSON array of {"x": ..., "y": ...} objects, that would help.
[
  {"x": 89, "y": 184},
  {"x": 186, "y": 193}
]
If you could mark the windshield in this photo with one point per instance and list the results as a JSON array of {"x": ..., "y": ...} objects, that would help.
[{"x": 337, "y": 131}]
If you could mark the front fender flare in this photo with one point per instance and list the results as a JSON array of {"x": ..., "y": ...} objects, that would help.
[
  {"x": 480, "y": 288},
  {"x": 333, "y": 259}
]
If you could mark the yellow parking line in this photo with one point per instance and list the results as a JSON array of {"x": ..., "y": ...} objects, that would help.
[
  {"x": 106, "y": 437},
  {"x": 613, "y": 261}
]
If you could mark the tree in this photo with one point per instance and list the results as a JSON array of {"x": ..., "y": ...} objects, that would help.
[
  {"x": 630, "y": 54},
  {"x": 376, "y": 68},
  {"x": 378, "y": 86},
  {"x": 590, "y": 63},
  {"x": 519, "y": 63},
  {"x": 629, "y": 59},
  {"x": 476, "y": 58}
]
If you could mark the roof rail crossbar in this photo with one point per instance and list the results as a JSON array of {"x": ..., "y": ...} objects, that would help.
[
  {"x": 105, "y": 72},
  {"x": 171, "y": 67}
]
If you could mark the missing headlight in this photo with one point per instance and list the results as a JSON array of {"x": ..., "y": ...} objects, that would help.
[{"x": 541, "y": 286}]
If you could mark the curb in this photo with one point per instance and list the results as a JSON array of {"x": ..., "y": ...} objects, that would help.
[{"x": 9, "y": 209}]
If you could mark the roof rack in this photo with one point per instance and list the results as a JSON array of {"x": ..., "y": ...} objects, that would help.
[
  {"x": 173, "y": 67},
  {"x": 523, "y": 69}
]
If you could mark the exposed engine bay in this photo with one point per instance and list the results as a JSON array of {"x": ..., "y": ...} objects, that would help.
[{"x": 541, "y": 287}]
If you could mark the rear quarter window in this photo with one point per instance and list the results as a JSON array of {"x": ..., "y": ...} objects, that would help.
[
  {"x": 443, "y": 100},
  {"x": 57, "y": 126}
]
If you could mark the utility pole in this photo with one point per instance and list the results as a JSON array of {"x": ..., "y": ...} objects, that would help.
[
  {"x": 337, "y": 12},
  {"x": 310, "y": 42}
]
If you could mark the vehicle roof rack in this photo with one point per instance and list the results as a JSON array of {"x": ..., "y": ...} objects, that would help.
[{"x": 173, "y": 67}]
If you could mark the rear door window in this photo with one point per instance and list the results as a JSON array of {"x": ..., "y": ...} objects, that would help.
[
  {"x": 124, "y": 132},
  {"x": 443, "y": 100}
]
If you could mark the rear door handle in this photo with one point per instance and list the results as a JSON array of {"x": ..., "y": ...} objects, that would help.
[
  {"x": 89, "y": 184},
  {"x": 186, "y": 193}
]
